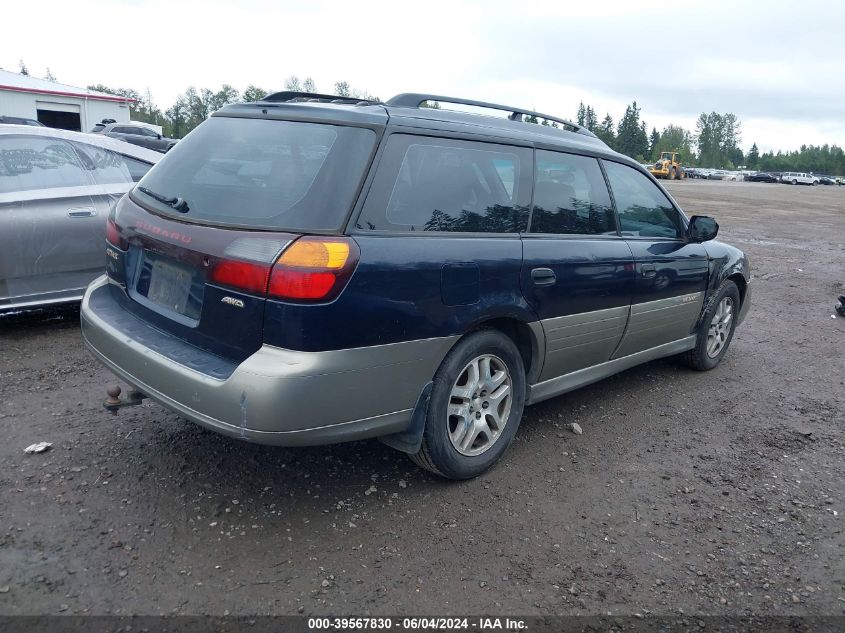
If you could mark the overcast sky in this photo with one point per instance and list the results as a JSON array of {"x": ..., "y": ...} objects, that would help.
[{"x": 780, "y": 66}]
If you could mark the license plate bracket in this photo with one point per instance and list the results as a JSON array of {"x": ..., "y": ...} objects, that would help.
[{"x": 170, "y": 285}]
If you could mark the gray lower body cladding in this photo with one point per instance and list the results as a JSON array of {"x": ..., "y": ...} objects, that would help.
[
  {"x": 295, "y": 398},
  {"x": 279, "y": 396}
]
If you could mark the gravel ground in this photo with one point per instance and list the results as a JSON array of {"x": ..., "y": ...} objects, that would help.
[{"x": 714, "y": 493}]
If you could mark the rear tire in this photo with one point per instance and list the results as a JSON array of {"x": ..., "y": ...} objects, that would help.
[
  {"x": 476, "y": 406},
  {"x": 716, "y": 330},
  {"x": 794, "y": 182},
  {"x": 672, "y": 175}
]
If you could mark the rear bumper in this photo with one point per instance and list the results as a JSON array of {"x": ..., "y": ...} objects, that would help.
[{"x": 276, "y": 396}]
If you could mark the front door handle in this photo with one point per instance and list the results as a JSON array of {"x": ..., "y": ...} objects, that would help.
[
  {"x": 649, "y": 270},
  {"x": 84, "y": 212},
  {"x": 543, "y": 276}
]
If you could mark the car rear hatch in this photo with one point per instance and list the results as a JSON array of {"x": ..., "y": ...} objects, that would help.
[{"x": 207, "y": 234}]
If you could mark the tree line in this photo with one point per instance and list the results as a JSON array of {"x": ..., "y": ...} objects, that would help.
[
  {"x": 194, "y": 105},
  {"x": 714, "y": 143}
]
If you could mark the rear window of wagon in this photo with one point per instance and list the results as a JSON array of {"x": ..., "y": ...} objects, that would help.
[{"x": 263, "y": 174}]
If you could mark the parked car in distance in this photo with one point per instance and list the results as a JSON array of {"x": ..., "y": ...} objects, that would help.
[
  {"x": 135, "y": 133},
  {"x": 762, "y": 176},
  {"x": 797, "y": 178},
  {"x": 826, "y": 180},
  {"x": 717, "y": 174},
  {"x": 315, "y": 269},
  {"x": 56, "y": 190},
  {"x": 18, "y": 120}
]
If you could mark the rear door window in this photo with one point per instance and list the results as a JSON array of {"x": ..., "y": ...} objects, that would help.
[
  {"x": 570, "y": 196},
  {"x": 105, "y": 166},
  {"x": 448, "y": 185},
  {"x": 259, "y": 173},
  {"x": 643, "y": 209},
  {"x": 30, "y": 163}
]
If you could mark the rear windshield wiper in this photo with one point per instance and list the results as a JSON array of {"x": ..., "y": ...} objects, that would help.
[{"x": 178, "y": 204}]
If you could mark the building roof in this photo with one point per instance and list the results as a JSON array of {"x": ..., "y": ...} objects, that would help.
[{"x": 27, "y": 83}]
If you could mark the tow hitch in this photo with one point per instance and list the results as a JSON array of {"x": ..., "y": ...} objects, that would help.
[{"x": 113, "y": 402}]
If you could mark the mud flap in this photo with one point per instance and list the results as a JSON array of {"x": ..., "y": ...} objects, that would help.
[{"x": 410, "y": 440}]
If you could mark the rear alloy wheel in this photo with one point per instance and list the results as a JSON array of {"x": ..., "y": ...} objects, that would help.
[
  {"x": 475, "y": 408},
  {"x": 716, "y": 329},
  {"x": 479, "y": 405}
]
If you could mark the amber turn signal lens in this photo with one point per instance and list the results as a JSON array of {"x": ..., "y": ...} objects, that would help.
[{"x": 319, "y": 254}]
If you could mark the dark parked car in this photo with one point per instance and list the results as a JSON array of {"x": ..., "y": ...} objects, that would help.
[
  {"x": 18, "y": 120},
  {"x": 136, "y": 134},
  {"x": 762, "y": 176},
  {"x": 309, "y": 270},
  {"x": 826, "y": 180}
]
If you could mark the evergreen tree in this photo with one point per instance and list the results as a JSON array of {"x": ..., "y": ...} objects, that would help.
[
  {"x": 753, "y": 158},
  {"x": 632, "y": 138},
  {"x": 582, "y": 114},
  {"x": 590, "y": 119},
  {"x": 605, "y": 131},
  {"x": 654, "y": 144}
]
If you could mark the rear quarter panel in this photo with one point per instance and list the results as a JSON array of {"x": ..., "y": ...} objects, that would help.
[{"x": 407, "y": 288}]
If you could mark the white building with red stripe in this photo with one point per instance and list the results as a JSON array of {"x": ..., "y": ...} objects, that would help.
[{"x": 58, "y": 105}]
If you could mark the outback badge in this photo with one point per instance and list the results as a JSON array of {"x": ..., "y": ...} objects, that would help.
[{"x": 233, "y": 302}]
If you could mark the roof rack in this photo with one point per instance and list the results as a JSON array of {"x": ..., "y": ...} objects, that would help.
[
  {"x": 295, "y": 96},
  {"x": 415, "y": 100}
]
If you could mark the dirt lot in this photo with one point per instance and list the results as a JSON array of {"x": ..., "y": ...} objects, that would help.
[{"x": 716, "y": 493}]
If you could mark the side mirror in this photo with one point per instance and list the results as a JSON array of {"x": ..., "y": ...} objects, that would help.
[
  {"x": 702, "y": 228},
  {"x": 159, "y": 136}
]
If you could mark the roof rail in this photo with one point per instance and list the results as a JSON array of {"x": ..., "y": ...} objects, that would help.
[
  {"x": 289, "y": 95},
  {"x": 416, "y": 99}
]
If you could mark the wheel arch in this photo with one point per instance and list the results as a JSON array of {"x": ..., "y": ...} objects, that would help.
[
  {"x": 739, "y": 279},
  {"x": 528, "y": 338}
]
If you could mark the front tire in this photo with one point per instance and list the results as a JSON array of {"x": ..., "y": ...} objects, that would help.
[
  {"x": 476, "y": 406},
  {"x": 717, "y": 328}
]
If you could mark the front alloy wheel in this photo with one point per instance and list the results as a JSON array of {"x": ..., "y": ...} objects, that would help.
[
  {"x": 720, "y": 327},
  {"x": 716, "y": 328}
]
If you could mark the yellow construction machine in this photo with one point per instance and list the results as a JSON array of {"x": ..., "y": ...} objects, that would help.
[{"x": 668, "y": 166}]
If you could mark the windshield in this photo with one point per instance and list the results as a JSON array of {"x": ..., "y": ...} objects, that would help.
[{"x": 259, "y": 173}]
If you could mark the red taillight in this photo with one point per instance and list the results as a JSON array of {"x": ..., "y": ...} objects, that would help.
[
  {"x": 113, "y": 236},
  {"x": 313, "y": 269},
  {"x": 247, "y": 276},
  {"x": 290, "y": 284}
]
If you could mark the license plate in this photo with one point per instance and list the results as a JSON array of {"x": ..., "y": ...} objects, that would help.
[{"x": 170, "y": 286}]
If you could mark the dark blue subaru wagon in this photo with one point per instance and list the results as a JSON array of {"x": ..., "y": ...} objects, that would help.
[{"x": 310, "y": 269}]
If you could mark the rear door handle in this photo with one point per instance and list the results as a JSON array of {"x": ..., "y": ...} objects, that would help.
[
  {"x": 81, "y": 213},
  {"x": 543, "y": 276},
  {"x": 648, "y": 270}
]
